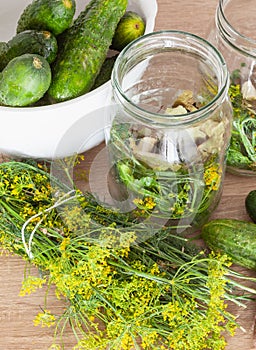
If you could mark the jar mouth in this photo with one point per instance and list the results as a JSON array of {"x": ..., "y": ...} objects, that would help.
[
  {"x": 180, "y": 43},
  {"x": 233, "y": 36}
]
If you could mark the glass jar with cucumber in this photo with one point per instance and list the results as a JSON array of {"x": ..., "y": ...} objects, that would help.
[
  {"x": 169, "y": 129},
  {"x": 233, "y": 33}
]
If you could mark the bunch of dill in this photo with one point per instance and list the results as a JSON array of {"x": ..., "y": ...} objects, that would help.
[{"x": 127, "y": 284}]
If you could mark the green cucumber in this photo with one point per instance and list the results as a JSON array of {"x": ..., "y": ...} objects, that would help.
[
  {"x": 24, "y": 80},
  {"x": 52, "y": 15},
  {"x": 105, "y": 72},
  {"x": 250, "y": 205},
  {"x": 85, "y": 49},
  {"x": 130, "y": 27},
  {"x": 3, "y": 47},
  {"x": 236, "y": 238},
  {"x": 42, "y": 43}
]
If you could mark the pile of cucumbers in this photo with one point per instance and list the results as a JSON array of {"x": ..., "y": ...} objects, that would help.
[{"x": 54, "y": 57}]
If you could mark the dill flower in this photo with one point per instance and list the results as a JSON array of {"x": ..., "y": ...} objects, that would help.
[
  {"x": 65, "y": 242},
  {"x": 91, "y": 342},
  {"x": 147, "y": 203},
  {"x": 212, "y": 177},
  {"x": 159, "y": 293},
  {"x": 236, "y": 98},
  {"x": 30, "y": 284},
  {"x": 45, "y": 319}
]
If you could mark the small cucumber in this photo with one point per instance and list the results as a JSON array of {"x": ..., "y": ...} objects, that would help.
[
  {"x": 236, "y": 238},
  {"x": 42, "y": 43},
  {"x": 130, "y": 27},
  {"x": 250, "y": 205},
  {"x": 52, "y": 15},
  {"x": 85, "y": 49},
  {"x": 24, "y": 80}
]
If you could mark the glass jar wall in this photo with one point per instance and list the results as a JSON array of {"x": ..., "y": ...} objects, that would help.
[
  {"x": 169, "y": 128},
  {"x": 234, "y": 35}
]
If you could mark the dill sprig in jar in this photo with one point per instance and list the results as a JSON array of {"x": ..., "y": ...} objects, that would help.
[
  {"x": 169, "y": 128},
  {"x": 234, "y": 35}
]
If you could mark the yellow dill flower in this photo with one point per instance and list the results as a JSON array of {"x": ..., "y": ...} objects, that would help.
[
  {"x": 118, "y": 333},
  {"x": 138, "y": 201},
  {"x": 45, "y": 319},
  {"x": 92, "y": 341},
  {"x": 15, "y": 191},
  {"x": 6, "y": 244},
  {"x": 31, "y": 284},
  {"x": 27, "y": 211},
  {"x": 65, "y": 242},
  {"x": 212, "y": 177},
  {"x": 147, "y": 203},
  {"x": 75, "y": 218},
  {"x": 149, "y": 338},
  {"x": 175, "y": 312}
]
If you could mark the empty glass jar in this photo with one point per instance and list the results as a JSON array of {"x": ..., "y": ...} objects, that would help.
[
  {"x": 233, "y": 33},
  {"x": 169, "y": 128}
]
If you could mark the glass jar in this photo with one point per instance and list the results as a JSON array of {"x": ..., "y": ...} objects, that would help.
[
  {"x": 169, "y": 128},
  {"x": 234, "y": 35}
]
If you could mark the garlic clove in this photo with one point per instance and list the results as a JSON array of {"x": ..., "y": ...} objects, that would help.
[{"x": 248, "y": 91}]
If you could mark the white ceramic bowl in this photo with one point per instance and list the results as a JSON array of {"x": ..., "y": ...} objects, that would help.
[{"x": 65, "y": 128}]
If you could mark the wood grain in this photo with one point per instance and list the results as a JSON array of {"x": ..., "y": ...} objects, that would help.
[{"x": 17, "y": 313}]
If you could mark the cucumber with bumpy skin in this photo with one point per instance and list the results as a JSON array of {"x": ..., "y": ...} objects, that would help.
[
  {"x": 236, "y": 238},
  {"x": 85, "y": 49},
  {"x": 24, "y": 80},
  {"x": 42, "y": 43},
  {"x": 52, "y": 15}
]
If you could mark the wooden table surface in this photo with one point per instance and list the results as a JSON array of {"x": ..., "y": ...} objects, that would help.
[{"x": 17, "y": 313}]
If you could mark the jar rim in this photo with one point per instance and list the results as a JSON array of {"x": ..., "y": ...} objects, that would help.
[
  {"x": 231, "y": 34},
  {"x": 181, "y": 118}
]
